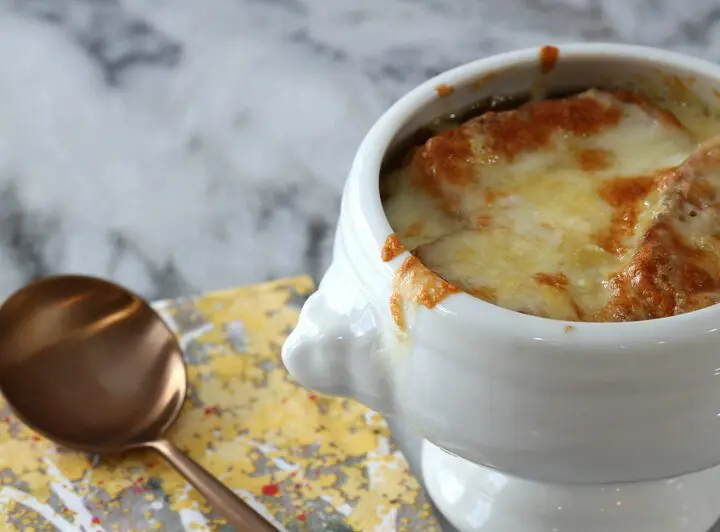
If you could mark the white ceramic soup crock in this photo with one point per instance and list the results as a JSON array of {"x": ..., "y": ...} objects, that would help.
[{"x": 529, "y": 425}]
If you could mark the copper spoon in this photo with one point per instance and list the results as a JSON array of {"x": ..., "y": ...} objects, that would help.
[{"x": 91, "y": 366}]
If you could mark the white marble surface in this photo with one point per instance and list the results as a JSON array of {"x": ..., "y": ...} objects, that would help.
[{"x": 185, "y": 145}]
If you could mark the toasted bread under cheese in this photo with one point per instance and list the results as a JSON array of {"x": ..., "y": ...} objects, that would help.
[
  {"x": 675, "y": 267},
  {"x": 553, "y": 208}
]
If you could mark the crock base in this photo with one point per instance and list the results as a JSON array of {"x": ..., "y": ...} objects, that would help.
[{"x": 477, "y": 499}]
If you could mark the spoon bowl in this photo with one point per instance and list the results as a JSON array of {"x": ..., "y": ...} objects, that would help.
[{"x": 91, "y": 366}]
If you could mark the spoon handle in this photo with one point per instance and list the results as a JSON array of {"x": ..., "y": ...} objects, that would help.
[{"x": 235, "y": 510}]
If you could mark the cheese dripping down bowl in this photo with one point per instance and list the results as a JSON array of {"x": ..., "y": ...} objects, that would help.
[{"x": 548, "y": 400}]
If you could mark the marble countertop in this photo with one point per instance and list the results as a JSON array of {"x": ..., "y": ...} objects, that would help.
[{"x": 178, "y": 146}]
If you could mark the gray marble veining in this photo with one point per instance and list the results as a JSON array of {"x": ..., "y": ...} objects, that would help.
[{"x": 179, "y": 146}]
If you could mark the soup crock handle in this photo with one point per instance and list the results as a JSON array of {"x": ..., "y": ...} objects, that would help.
[{"x": 336, "y": 347}]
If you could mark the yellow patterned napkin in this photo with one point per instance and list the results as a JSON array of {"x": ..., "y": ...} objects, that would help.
[{"x": 308, "y": 462}]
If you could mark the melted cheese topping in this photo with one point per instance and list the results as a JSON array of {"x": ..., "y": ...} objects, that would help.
[{"x": 561, "y": 208}]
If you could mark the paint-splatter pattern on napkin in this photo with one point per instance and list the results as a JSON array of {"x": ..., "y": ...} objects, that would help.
[{"x": 309, "y": 462}]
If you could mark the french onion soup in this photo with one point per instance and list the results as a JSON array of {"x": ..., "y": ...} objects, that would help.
[{"x": 597, "y": 206}]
